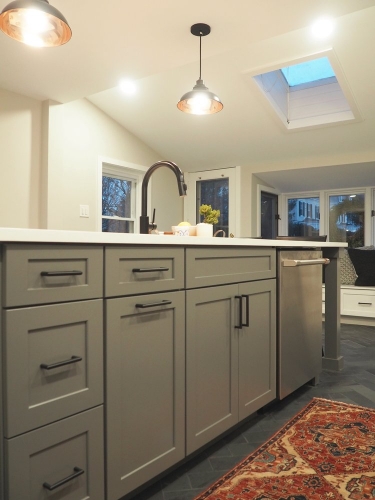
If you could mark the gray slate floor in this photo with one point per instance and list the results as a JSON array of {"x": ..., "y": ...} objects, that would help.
[{"x": 354, "y": 384}]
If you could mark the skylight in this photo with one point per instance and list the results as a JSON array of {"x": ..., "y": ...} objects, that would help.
[
  {"x": 306, "y": 72},
  {"x": 308, "y": 93}
]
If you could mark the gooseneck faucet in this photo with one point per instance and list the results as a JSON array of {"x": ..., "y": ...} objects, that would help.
[{"x": 144, "y": 219}]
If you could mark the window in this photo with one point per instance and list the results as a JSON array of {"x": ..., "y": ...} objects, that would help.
[
  {"x": 120, "y": 196},
  {"x": 214, "y": 192},
  {"x": 343, "y": 215},
  {"x": 303, "y": 216},
  {"x": 218, "y": 189},
  {"x": 347, "y": 218}
]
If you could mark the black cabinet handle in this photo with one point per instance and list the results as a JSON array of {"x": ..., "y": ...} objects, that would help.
[
  {"x": 153, "y": 304},
  {"x": 73, "y": 359},
  {"x": 247, "y": 311},
  {"x": 61, "y": 273},
  {"x": 149, "y": 269},
  {"x": 77, "y": 472},
  {"x": 240, "y": 311},
  {"x": 365, "y": 303}
]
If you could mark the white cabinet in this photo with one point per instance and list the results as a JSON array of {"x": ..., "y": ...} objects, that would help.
[{"x": 356, "y": 301}]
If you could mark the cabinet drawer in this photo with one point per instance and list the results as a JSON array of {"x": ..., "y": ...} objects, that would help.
[
  {"x": 53, "y": 363},
  {"x": 40, "y": 459},
  {"x": 135, "y": 270},
  {"x": 43, "y": 274},
  {"x": 218, "y": 266},
  {"x": 355, "y": 303}
]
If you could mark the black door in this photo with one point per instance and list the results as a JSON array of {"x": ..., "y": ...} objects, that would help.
[{"x": 269, "y": 215}]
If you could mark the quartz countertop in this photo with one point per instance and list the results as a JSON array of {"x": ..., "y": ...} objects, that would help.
[{"x": 16, "y": 235}]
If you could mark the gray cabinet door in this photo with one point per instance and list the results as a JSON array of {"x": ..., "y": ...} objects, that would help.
[
  {"x": 211, "y": 364},
  {"x": 257, "y": 346},
  {"x": 145, "y": 339}
]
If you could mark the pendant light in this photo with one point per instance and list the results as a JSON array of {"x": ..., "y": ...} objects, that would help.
[
  {"x": 35, "y": 22},
  {"x": 200, "y": 101}
]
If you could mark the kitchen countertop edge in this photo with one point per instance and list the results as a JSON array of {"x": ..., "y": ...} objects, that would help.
[{"x": 21, "y": 235}]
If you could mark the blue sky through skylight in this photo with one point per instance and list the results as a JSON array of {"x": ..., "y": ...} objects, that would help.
[{"x": 309, "y": 71}]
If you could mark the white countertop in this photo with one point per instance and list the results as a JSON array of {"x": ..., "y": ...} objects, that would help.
[{"x": 16, "y": 235}]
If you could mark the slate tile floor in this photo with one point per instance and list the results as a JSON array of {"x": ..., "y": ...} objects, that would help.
[{"x": 354, "y": 384}]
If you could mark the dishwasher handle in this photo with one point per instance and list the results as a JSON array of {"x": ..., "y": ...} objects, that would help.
[{"x": 306, "y": 262}]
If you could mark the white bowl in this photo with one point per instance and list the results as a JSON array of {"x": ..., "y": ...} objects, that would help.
[{"x": 184, "y": 230}]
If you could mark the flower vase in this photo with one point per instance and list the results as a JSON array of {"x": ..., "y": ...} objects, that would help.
[{"x": 205, "y": 230}]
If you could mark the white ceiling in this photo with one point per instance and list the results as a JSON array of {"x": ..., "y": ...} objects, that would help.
[{"x": 150, "y": 42}]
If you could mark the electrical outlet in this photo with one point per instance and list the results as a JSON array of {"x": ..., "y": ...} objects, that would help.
[{"x": 84, "y": 211}]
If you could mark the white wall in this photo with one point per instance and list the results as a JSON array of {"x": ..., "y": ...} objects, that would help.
[
  {"x": 20, "y": 146},
  {"x": 49, "y": 164},
  {"x": 79, "y": 133}
]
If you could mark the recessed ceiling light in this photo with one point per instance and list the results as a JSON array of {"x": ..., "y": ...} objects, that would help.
[
  {"x": 128, "y": 87},
  {"x": 322, "y": 28}
]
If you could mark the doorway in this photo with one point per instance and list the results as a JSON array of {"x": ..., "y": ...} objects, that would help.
[{"x": 269, "y": 205}]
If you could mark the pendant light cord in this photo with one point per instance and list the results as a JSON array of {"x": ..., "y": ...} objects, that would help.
[{"x": 200, "y": 56}]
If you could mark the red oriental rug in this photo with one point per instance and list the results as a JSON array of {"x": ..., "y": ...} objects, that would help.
[{"x": 325, "y": 452}]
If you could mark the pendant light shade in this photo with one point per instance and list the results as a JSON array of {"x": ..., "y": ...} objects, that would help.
[
  {"x": 35, "y": 22},
  {"x": 200, "y": 101}
]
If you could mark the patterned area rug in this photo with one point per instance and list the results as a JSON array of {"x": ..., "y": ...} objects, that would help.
[{"x": 325, "y": 452}]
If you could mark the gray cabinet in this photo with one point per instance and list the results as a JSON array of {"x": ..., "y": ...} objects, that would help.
[
  {"x": 53, "y": 363},
  {"x": 211, "y": 364},
  {"x": 257, "y": 346},
  {"x": 230, "y": 341},
  {"x": 161, "y": 303},
  {"x": 134, "y": 270},
  {"x": 52, "y": 439},
  {"x": 145, "y": 387},
  {"x": 64, "y": 460},
  {"x": 43, "y": 274}
]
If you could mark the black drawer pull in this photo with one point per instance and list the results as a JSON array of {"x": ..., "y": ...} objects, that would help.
[
  {"x": 240, "y": 311},
  {"x": 149, "y": 269},
  {"x": 73, "y": 359},
  {"x": 61, "y": 273},
  {"x": 365, "y": 303},
  {"x": 77, "y": 472},
  {"x": 153, "y": 304},
  {"x": 247, "y": 298}
]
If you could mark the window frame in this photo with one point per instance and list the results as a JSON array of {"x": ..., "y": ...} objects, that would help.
[{"x": 121, "y": 170}]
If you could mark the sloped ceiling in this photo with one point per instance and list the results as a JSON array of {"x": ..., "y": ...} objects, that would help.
[{"x": 150, "y": 42}]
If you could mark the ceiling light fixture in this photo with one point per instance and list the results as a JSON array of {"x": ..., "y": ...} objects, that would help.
[
  {"x": 200, "y": 101},
  {"x": 35, "y": 22},
  {"x": 322, "y": 28},
  {"x": 128, "y": 87}
]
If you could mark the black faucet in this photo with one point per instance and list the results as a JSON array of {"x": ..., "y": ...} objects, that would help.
[{"x": 144, "y": 219}]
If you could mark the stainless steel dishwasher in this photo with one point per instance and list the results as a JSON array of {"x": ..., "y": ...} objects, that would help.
[{"x": 299, "y": 318}]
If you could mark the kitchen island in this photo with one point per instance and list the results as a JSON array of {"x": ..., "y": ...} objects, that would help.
[{"x": 152, "y": 332}]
